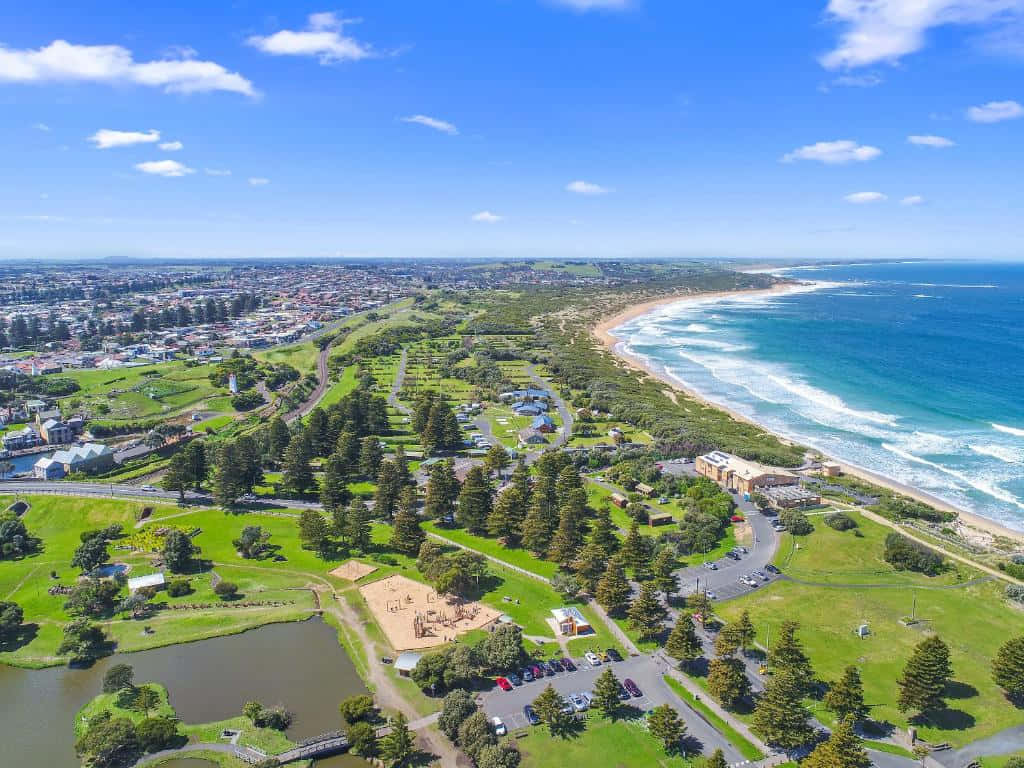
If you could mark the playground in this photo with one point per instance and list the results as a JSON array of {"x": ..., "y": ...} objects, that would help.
[
  {"x": 414, "y": 616},
  {"x": 353, "y": 570}
]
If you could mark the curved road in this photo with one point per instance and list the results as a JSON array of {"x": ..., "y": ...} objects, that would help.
[{"x": 317, "y": 394}]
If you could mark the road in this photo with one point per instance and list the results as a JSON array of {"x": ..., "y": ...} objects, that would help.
[
  {"x": 317, "y": 394},
  {"x": 645, "y": 671}
]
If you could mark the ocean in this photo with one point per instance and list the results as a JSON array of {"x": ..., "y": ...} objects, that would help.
[{"x": 914, "y": 371}]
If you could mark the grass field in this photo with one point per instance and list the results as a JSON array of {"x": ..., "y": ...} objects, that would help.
[
  {"x": 517, "y": 557},
  {"x": 974, "y": 620},
  {"x": 340, "y": 388},
  {"x": 748, "y": 750},
  {"x": 302, "y": 357}
]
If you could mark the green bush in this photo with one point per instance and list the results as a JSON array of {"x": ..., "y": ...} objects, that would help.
[
  {"x": 840, "y": 521},
  {"x": 179, "y": 588}
]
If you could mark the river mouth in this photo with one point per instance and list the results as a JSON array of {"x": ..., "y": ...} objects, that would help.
[{"x": 299, "y": 665}]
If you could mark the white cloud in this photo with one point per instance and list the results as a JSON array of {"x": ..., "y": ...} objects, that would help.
[
  {"x": 107, "y": 139},
  {"x": 860, "y": 198},
  {"x": 61, "y": 61},
  {"x": 258, "y": 181},
  {"x": 995, "y": 111},
  {"x": 887, "y": 30},
  {"x": 432, "y": 122},
  {"x": 216, "y": 171},
  {"x": 323, "y": 38},
  {"x": 938, "y": 142},
  {"x": 42, "y": 127},
  {"x": 169, "y": 168},
  {"x": 912, "y": 200},
  {"x": 172, "y": 146},
  {"x": 487, "y": 217},
  {"x": 595, "y": 5},
  {"x": 586, "y": 188},
  {"x": 839, "y": 152}
]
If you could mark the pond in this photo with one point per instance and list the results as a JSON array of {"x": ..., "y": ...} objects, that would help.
[
  {"x": 25, "y": 462},
  {"x": 300, "y": 665}
]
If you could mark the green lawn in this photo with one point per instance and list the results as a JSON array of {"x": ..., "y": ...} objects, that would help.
[
  {"x": 517, "y": 557},
  {"x": 302, "y": 357},
  {"x": 748, "y": 750},
  {"x": 340, "y": 388}
]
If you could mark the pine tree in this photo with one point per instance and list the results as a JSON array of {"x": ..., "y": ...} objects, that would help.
[
  {"x": 683, "y": 644},
  {"x": 727, "y": 641},
  {"x": 780, "y": 717},
  {"x": 249, "y": 463},
  {"x": 744, "y": 631},
  {"x": 506, "y": 518},
  {"x": 666, "y": 726},
  {"x": 177, "y": 478},
  {"x": 788, "y": 654},
  {"x": 474, "y": 502},
  {"x": 358, "y": 523},
  {"x": 442, "y": 491},
  {"x": 568, "y": 482},
  {"x": 278, "y": 438},
  {"x": 298, "y": 475},
  {"x": 319, "y": 432},
  {"x": 334, "y": 492},
  {"x": 646, "y": 614},
  {"x": 542, "y": 516},
  {"x": 520, "y": 480},
  {"x": 348, "y": 449},
  {"x": 845, "y": 697},
  {"x": 717, "y": 760},
  {"x": 602, "y": 532},
  {"x": 227, "y": 480},
  {"x": 590, "y": 565},
  {"x": 370, "y": 456},
  {"x": 397, "y": 745},
  {"x": 548, "y": 707},
  {"x": 496, "y": 459},
  {"x": 313, "y": 531},
  {"x": 406, "y": 534},
  {"x": 613, "y": 589},
  {"x": 606, "y": 693},
  {"x": 728, "y": 681},
  {"x": 663, "y": 569},
  {"x": 197, "y": 462},
  {"x": 925, "y": 677},
  {"x": 388, "y": 487},
  {"x": 568, "y": 538},
  {"x": 843, "y": 749},
  {"x": 635, "y": 554},
  {"x": 1008, "y": 668}
]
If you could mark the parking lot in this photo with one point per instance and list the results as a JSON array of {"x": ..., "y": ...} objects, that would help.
[{"x": 645, "y": 671}]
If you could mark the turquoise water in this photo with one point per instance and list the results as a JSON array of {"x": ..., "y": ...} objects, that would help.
[{"x": 914, "y": 371}]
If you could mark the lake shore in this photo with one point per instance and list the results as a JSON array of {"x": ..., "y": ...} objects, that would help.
[{"x": 972, "y": 527}]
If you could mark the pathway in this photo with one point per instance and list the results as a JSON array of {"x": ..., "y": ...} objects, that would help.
[
  {"x": 317, "y": 394},
  {"x": 834, "y": 585},
  {"x": 396, "y": 387},
  {"x": 493, "y": 559}
]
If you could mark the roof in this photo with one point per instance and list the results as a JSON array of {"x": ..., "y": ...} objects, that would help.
[
  {"x": 150, "y": 580},
  {"x": 406, "y": 662},
  {"x": 45, "y": 463},
  {"x": 747, "y": 470},
  {"x": 542, "y": 421},
  {"x": 81, "y": 453},
  {"x": 570, "y": 612}
]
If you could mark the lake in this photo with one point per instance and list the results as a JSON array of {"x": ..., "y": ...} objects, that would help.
[{"x": 300, "y": 665}]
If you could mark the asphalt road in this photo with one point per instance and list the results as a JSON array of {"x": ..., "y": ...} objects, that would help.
[{"x": 645, "y": 671}]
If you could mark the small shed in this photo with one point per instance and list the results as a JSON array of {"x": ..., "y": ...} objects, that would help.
[
  {"x": 619, "y": 500},
  {"x": 154, "y": 580},
  {"x": 659, "y": 518},
  {"x": 644, "y": 489},
  {"x": 406, "y": 662},
  {"x": 571, "y": 621}
]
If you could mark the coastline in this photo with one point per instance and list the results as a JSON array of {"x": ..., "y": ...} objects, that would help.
[{"x": 978, "y": 529}]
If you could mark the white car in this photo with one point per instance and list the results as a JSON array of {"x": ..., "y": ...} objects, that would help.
[
  {"x": 149, "y": 489},
  {"x": 499, "y": 727},
  {"x": 592, "y": 658}
]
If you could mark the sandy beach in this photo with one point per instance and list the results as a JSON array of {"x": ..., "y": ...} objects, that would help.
[{"x": 972, "y": 527}]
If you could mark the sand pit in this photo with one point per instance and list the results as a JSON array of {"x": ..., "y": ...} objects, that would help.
[
  {"x": 353, "y": 570},
  {"x": 413, "y": 616}
]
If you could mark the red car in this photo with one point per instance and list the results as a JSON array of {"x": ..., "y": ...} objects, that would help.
[
  {"x": 538, "y": 673},
  {"x": 503, "y": 683},
  {"x": 736, "y": 519}
]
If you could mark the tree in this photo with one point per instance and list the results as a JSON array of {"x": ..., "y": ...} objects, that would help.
[
  {"x": 602, "y": 532},
  {"x": 83, "y": 641},
  {"x": 442, "y": 491},
  {"x": 788, "y": 654},
  {"x": 320, "y": 442},
  {"x": 298, "y": 474},
  {"x": 92, "y": 598},
  {"x": 358, "y": 523},
  {"x": 568, "y": 538},
  {"x": 613, "y": 589},
  {"x": 744, "y": 632},
  {"x": 590, "y": 565},
  {"x": 252, "y": 542},
  {"x": 606, "y": 693},
  {"x": 118, "y": 677},
  {"x": 226, "y": 590},
  {"x": 925, "y": 677},
  {"x": 389, "y": 485},
  {"x": 110, "y": 742},
  {"x": 370, "y": 456},
  {"x": 355, "y": 708},
  {"x": 348, "y": 449},
  {"x": 506, "y": 519},
  {"x": 178, "y": 551},
  {"x": 145, "y": 699},
  {"x": 474, "y": 505},
  {"x": 842, "y": 749},
  {"x": 362, "y": 738},
  {"x": 717, "y": 760},
  {"x": 565, "y": 584},
  {"x": 11, "y": 616},
  {"x": 683, "y": 643},
  {"x": 542, "y": 516},
  {"x": 502, "y": 755},
  {"x": 780, "y": 717},
  {"x": 397, "y": 745},
  {"x": 475, "y": 733},
  {"x": 503, "y": 648},
  {"x": 634, "y": 552},
  {"x": 666, "y": 726},
  {"x": 728, "y": 681},
  {"x": 313, "y": 532},
  {"x": 406, "y": 534},
  {"x": 548, "y": 707},
  {"x": 845, "y": 697},
  {"x": 646, "y": 614},
  {"x": 1008, "y": 668},
  {"x": 334, "y": 492},
  {"x": 496, "y": 459},
  {"x": 663, "y": 568},
  {"x": 91, "y": 554},
  {"x": 727, "y": 642},
  {"x": 197, "y": 463},
  {"x": 796, "y": 522},
  {"x": 699, "y": 603},
  {"x": 252, "y": 710},
  {"x": 15, "y": 540},
  {"x": 157, "y": 733},
  {"x": 178, "y": 477},
  {"x": 458, "y": 705}
]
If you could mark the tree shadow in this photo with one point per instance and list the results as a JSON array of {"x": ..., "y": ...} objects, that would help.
[
  {"x": 24, "y": 635},
  {"x": 419, "y": 759},
  {"x": 955, "y": 689},
  {"x": 947, "y": 719},
  {"x": 691, "y": 745}
]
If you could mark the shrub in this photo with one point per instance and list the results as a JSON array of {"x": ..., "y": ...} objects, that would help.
[
  {"x": 1015, "y": 569},
  {"x": 906, "y": 555},
  {"x": 226, "y": 590},
  {"x": 179, "y": 588},
  {"x": 356, "y": 708},
  {"x": 796, "y": 522},
  {"x": 1015, "y": 592},
  {"x": 840, "y": 521}
]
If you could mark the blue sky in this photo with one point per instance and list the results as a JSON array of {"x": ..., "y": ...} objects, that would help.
[{"x": 513, "y": 128}]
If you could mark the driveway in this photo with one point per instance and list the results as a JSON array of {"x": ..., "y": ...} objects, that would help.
[{"x": 645, "y": 671}]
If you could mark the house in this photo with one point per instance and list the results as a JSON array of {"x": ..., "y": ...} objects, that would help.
[
  {"x": 571, "y": 622},
  {"x": 831, "y": 469},
  {"x": 543, "y": 424},
  {"x": 47, "y": 469},
  {"x": 406, "y": 663},
  {"x": 530, "y": 436},
  {"x": 91, "y": 457},
  {"x": 619, "y": 500},
  {"x": 56, "y": 432},
  {"x": 152, "y": 580},
  {"x": 790, "y": 497},
  {"x": 527, "y": 409},
  {"x": 739, "y": 475},
  {"x": 27, "y": 437},
  {"x": 645, "y": 490},
  {"x": 659, "y": 518},
  {"x": 525, "y": 394}
]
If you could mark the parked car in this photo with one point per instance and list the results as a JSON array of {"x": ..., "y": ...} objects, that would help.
[
  {"x": 527, "y": 675},
  {"x": 514, "y": 678},
  {"x": 613, "y": 654},
  {"x": 499, "y": 727},
  {"x": 149, "y": 489},
  {"x": 732, "y": 555},
  {"x": 623, "y": 693},
  {"x": 531, "y": 716},
  {"x": 710, "y": 565},
  {"x": 569, "y": 665},
  {"x": 604, "y": 655},
  {"x": 576, "y": 700},
  {"x": 556, "y": 665},
  {"x": 592, "y": 658},
  {"x": 633, "y": 688},
  {"x": 503, "y": 683},
  {"x": 538, "y": 673},
  {"x": 710, "y": 595},
  {"x": 741, "y": 550},
  {"x": 779, "y": 528},
  {"x": 771, "y": 569},
  {"x": 760, "y": 575},
  {"x": 587, "y": 699}
]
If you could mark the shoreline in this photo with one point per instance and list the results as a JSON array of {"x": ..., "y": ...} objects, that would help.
[{"x": 983, "y": 528}]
